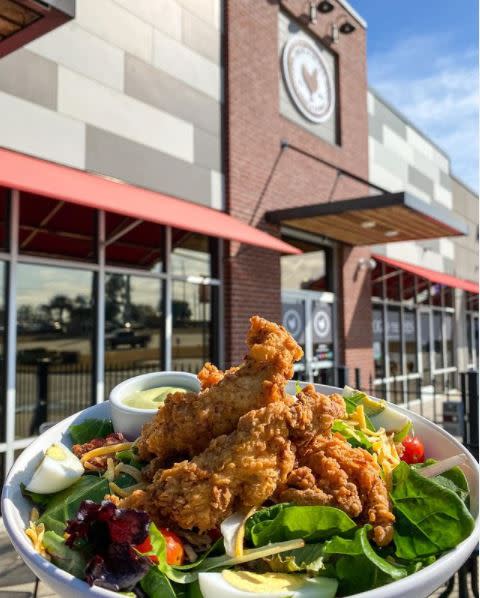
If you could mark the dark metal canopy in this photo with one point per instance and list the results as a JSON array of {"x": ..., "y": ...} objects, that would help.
[
  {"x": 22, "y": 21},
  {"x": 372, "y": 220}
]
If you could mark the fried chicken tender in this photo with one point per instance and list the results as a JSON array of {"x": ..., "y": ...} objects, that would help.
[
  {"x": 245, "y": 468},
  {"x": 332, "y": 472},
  {"x": 187, "y": 422},
  {"x": 237, "y": 471}
]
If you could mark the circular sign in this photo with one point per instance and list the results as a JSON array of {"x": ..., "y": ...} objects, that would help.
[
  {"x": 308, "y": 79},
  {"x": 321, "y": 324},
  {"x": 292, "y": 322}
]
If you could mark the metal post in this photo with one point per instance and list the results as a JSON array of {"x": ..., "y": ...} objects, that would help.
[
  {"x": 168, "y": 299},
  {"x": 100, "y": 319},
  {"x": 11, "y": 353},
  {"x": 342, "y": 375},
  {"x": 472, "y": 405},
  {"x": 357, "y": 379}
]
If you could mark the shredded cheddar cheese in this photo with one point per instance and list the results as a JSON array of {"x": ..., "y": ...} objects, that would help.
[
  {"x": 105, "y": 450},
  {"x": 35, "y": 533}
]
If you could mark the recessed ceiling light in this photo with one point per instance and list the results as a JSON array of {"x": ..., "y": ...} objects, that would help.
[
  {"x": 391, "y": 233},
  {"x": 368, "y": 224}
]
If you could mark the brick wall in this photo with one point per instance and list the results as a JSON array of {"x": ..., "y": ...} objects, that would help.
[{"x": 262, "y": 177}]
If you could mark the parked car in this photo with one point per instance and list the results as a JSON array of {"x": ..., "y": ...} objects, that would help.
[{"x": 126, "y": 338}]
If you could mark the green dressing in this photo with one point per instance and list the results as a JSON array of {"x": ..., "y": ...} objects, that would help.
[{"x": 151, "y": 398}]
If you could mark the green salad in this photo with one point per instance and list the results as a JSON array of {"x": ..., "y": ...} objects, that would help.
[{"x": 278, "y": 549}]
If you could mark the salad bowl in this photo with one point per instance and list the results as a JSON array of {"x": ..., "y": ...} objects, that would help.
[{"x": 16, "y": 509}]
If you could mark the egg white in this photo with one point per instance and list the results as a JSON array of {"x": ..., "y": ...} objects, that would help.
[{"x": 54, "y": 475}]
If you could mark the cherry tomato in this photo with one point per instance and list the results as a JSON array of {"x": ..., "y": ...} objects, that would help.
[
  {"x": 414, "y": 450},
  {"x": 146, "y": 546},
  {"x": 175, "y": 552}
]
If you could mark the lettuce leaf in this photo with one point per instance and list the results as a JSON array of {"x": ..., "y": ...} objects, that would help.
[
  {"x": 309, "y": 559},
  {"x": 64, "y": 505},
  {"x": 89, "y": 429},
  {"x": 286, "y": 522},
  {"x": 355, "y": 438},
  {"x": 431, "y": 518},
  {"x": 72, "y": 561},
  {"x": 41, "y": 500}
]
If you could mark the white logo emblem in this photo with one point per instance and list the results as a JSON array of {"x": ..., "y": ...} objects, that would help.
[
  {"x": 308, "y": 79},
  {"x": 321, "y": 324},
  {"x": 292, "y": 322}
]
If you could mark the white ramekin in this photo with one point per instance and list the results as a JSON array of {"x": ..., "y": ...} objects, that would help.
[{"x": 129, "y": 420}]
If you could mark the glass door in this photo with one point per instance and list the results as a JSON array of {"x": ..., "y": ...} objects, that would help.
[{"x": 310, "y": 319}]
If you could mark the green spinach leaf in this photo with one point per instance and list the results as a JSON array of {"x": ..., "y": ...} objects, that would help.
[
  {"x": 287, "y": 522},
  {"x": 430, "y": 517},
  {"x": 89, "y": 429},
  {"x": 72, "y": 561},
  {"x": 156, "y": 585},
  {"x": 41, "y": 500},
  {"x": 359, "y": 567},
  {"x": 453, "y": 479},
  {"x": 64, "y": 505}
]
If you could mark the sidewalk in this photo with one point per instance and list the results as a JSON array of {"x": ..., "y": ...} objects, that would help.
[{"x": 17, "y": 581}]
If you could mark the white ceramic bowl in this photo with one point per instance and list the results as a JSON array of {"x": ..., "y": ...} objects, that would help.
[
  {"x": 16, "y": 509},
  {"x": 129, "y": 420}
]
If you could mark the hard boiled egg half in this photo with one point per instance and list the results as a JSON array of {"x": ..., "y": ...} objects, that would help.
[
  {"x": 246, "y": 584},
  {"x": 58, "y": 470}
]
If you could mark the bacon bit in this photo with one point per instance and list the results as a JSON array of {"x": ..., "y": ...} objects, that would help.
[{"x": 100, "y": 462}]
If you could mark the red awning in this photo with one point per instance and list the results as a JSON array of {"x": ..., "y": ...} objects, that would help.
[
  {"x": 32, "y": 175},
  {"x": 437, "y": 277}
]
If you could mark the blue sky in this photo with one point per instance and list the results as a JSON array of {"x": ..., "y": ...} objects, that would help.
[{"x": 423, "y": 59}]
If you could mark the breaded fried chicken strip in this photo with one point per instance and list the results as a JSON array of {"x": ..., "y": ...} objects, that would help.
[
  {"x": 237, "y": 471},
  {"x": 331, "y": 472},
  {"x": 187, "y": 422},
  {"x": 245, "y": 468}
]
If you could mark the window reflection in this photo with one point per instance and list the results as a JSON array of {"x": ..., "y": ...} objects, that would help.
[
  {"x": 190, "y": 254},
  {"x": 55, "y": 344},
  {"x": 192, "y": 323},
  {"x": 393, "y": 341},
  {"x": 4, "y": 202},
  {"x": 56, "y": 228},
  {"x": 437, "y": 339},
  {"x": 309, "y": 270},
  {"x": 140, "y": 246},
  {"x": 378, "y": 348},
  {"x": 133, "y": 326},
  {"x": 449, "y": 340}
]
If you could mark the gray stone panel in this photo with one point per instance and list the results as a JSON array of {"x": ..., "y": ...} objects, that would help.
[
  {"x": 389, "y": 119},
  {"x": 121, "y": 158},
  {"x": 201, "y": 37},
  {"x": 445, "y": 180},
  {"x": 28, "y": 76},
  {"x": 432, "y": 244},
  {"x": 207, "y": 150},
  {"x": 152, "y": 86},
  {"x": 417, "y": 178},
  {"x": 375, "y": 128}
]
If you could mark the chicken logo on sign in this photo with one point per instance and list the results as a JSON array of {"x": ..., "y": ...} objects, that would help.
[{"x": 308, "y": 79}]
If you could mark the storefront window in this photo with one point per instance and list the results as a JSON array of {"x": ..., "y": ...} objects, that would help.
[
  {"x": 56, "y": 229},
  {"x": 191, "y": 255},
  {"x": 425, "y": 347},
  {"x": 393, "y": 281},
  {"x": 437, "y": 340},
  {"x": 140, "y": 246},
  {"x": 192, "y": 326},
  {"x": 4, "y": 203},
  {"x": 133, "y": 326},
  {"x": 2, "y": 353},
  {"x": 378, "y": 346},
  {"x": 448, "y": 319},
  {"x": 393, "y": 341},
  {"x": 377, "y": 281},
  {"x": 410, "y": 336},
  {"x": 310, "y": 271},
  {"x": 55, "y": 338}
]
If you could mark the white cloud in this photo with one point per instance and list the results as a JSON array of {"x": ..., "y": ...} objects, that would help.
[{"x": 436, "y": 87}]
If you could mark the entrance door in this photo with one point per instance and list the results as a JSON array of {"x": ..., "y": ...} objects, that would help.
[{"x": 310, "y": 318}]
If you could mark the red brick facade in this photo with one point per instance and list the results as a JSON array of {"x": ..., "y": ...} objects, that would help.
[{"x": 260, "y": 176}]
